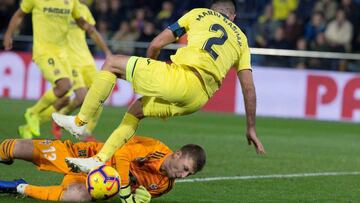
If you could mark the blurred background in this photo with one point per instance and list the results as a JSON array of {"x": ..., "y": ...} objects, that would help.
[{"x": 322, "y": 25}]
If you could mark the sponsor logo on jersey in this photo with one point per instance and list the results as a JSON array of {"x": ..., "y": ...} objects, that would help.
[
  {"x": 82, "y": 153},
  {"x": 53, "y": 10},
  {"x": 153, "y": 186},
  {"x": 46, "y": 142},
  {"x": 56, "y": 72}
]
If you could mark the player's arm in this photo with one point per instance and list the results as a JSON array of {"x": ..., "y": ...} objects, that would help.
[
  {"x": 168, "y": 36},
  {"x": 94, "y": 35},
  {"x": 249, "y": 93},
  {"x": 14, "y": 23},
  {"x": 126, "y": 195},
  {"x": 164, "y": 38}
]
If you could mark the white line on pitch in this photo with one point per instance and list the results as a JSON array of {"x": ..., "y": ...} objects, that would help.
[{"x": 297, "y": 175}]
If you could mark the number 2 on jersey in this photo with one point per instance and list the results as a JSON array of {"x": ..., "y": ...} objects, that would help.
[{"x": 215, "y": 40}]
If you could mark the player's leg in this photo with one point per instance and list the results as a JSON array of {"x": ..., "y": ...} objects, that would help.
[
  {"x": 76, "y": 102},
  {"x": 93, "y": 122},
  {"x": 11, "y": 149},
  {"x": 23, "y": 149},
  {"x": 79, "y": 88},
  {"x": 76, "y": 193},
  {"x": 32, "y": 114},
  {"x": 55, "y": 71},
  {"x": 72, "y": 188},
  {"x": 47, "y": 155},
  {"x": 7, "y": 151},
  {"x": 45, "y": 115},
  {"x": 99, "y": 91},
  {"x": 177, "y": 92},
  {"x": 124, "y": 132},
  {"x": 118, "y": 138},
  {"x": 88, "y": 74}
]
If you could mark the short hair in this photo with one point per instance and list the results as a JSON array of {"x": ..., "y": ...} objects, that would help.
[
  {"x": 197, "y": 153},
  {"x": 225, "y": 1}
]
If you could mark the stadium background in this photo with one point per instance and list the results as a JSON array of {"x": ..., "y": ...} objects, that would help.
[{"x": 325, "y": 87}]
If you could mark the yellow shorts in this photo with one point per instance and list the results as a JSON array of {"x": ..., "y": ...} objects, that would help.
[
  {"x": 77, "y": 79},
  {"x": 168, "y": 89},
  {"x": 83, "y": 75},
  {"x": 54, "y": 67},
  {"x": 87, "y": 74}
]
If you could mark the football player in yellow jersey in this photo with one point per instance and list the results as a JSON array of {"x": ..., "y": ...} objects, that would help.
[
  {"x": 82, "y": 61},
  {"x": 215, "y": 44},
  {"x": 50, "y": 26}
]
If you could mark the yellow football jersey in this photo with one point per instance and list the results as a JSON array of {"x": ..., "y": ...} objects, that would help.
[
  {"x": 78, "y": 51},
  {"x": 50, "y": 20},
  {"x": 215, "y": 44}
]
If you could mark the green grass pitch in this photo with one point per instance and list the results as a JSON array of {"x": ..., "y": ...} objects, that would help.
[{"x": 293, "y": 147}]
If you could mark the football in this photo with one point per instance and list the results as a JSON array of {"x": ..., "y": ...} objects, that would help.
[{"x": 103, "y": 182}]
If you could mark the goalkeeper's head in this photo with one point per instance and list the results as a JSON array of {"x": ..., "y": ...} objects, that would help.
[
  {"x": 188, "y": 160},
  {"x": 226, "y": 7}
]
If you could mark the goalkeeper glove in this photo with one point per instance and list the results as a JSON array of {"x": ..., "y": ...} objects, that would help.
[{"x": 141, "y": 195}]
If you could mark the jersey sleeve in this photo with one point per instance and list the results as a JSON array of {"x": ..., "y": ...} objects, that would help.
[
  {"x": 27, "y": 5},
  {"x": 86, "y": 14},
  {"x": 76, "y": 11},
  {"x": 123, "y": 167},
  {"x": 89, "y": 17},
  {"x": 244, "y": 60}
]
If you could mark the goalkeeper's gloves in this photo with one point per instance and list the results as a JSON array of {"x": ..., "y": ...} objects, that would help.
[{"x": 141, "y": 195}]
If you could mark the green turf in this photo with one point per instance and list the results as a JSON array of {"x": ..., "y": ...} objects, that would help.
[{"x": 293, "y": 146}]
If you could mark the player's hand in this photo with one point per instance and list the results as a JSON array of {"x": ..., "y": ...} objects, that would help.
[
  {"x": 8, "y": 41},
  {"x": 142, "y": 195},
  {"x": 252, "y": 139}
]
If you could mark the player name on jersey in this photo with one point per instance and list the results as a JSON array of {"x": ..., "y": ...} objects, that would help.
[{"x": 234, "y": 27}]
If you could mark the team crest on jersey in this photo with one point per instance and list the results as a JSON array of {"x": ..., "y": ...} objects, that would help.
[
  {"x": 153, "y": 186},
  {"x": 75, "y": 73},
  {"x": 56, "y": 72},
  {"x": 82, "y": 153}
]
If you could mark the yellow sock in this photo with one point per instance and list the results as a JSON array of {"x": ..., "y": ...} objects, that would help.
[
  {"x": 93, "y": 122},
  {"x": 45, "y": 115},
  {"x": 119, "y": 137},
  {"x": 45, "y": 101},
  {"x": 7, "y": 149},
  {"x": 68, "y": 109},
  {"x": 50, "y": 193},
  {"x": 96, "y": 96}
]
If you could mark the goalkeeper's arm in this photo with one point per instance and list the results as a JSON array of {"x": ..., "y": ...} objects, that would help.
[{"x": 141, "y": 195}]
